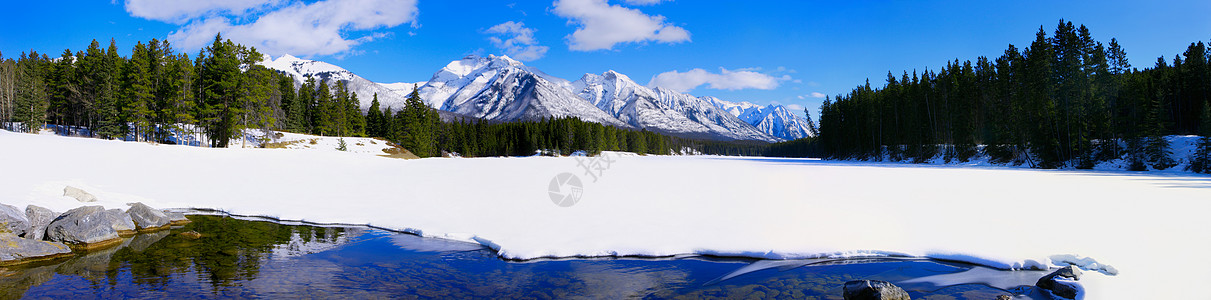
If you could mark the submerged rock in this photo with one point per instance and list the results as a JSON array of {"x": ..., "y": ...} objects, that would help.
[
  {"x": 193, "y": 235},
  {"x": 873, "y": 290},
  {"x": 39, "y": 217},
  {"x": 12, "y": 220},
  {"x": 1062, "y": 283},
  {"x": 17, "y": 250},
  {"x": 122, "y": 222},
  {"x": 79, "y": 194},
  {"x": 88, "y": 226},
  {"x": 147, "y": 218}
]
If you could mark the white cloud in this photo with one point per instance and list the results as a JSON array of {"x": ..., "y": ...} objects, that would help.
[
  {"x": 794, "y": 107},
  {"x": 180, "y": 11},
  {"x": 642, "y": 2},
  {"x": 603, "y": 25},
  {"x": 724, "y": 80},
  {"x": 299, "y": 28},
  {"x": 812, "y": 95},
  {"x": 519, "y": 42}
]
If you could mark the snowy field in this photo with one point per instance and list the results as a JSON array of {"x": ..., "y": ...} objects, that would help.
[{"x": 1134, "y": 224}]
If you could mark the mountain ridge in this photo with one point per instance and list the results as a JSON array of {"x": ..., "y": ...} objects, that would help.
[{"x": 499, "y": 88}]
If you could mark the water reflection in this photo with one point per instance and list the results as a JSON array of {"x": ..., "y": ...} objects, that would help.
[{"x": 255, "y": 259}]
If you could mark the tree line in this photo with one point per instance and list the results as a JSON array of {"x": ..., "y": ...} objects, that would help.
[
  {"x": 157, "y": 95},
  {"x": 1067, "y": 100},
  {"x": 144, "y": 97}
]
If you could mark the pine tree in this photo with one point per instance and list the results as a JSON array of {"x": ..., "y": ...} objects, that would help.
[
  {"x": 288, "y": 98},
  {"x": 419, "y": 124},
  {"x": 374, "y": 118},
  {"x": 220, "y": 82},
  {"x": 31, "y": 99},
  {"x": 353, "y": 111},
  {"x": 181, "y": 103},
  {"x": 324, "y": 117},
  {"x": 108, "y": 84},
  {"x": 1200, "y": 161},
  {"x": 137, "y": 95},
  {"x": 811, "y": 125}
]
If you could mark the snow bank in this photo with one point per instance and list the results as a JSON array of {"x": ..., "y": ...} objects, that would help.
[{"x": 668, "y": 205}]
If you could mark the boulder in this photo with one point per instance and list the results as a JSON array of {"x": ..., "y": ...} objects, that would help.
[
  {"x": 1004, "y": 297},
  {"x": 122, "y": 222},
  {"x": 193, "y": 235},
  {"x": 38, "y": 217},
  {"x": 176, "y": 218},
  {"x": 1062, "y": 283},
  {"x": 88, "y": 226},
  {"x": 13, "y": 220},
  {"x": 79, "y": 194},
  {"x": 873, "y": 290},
  {"x": 147, "y": 218},
  {"x": 17, "y": 250}
]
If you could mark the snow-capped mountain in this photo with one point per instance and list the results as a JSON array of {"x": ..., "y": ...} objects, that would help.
[
  {"x": 502, "y": 89},
  {"x": 392, "y": 94},
  {"x": 498, "y": 88},
  {"x": 662, "y": 110},
  {"x": 775, "y": 120}
]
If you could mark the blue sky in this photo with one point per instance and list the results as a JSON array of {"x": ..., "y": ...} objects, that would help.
[{"x": 764, "y": 52}]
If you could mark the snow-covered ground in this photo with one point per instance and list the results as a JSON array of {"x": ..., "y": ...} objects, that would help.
[{"x": 1138, "y": 225}]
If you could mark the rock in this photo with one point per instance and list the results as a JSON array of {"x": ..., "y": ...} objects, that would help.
[
  {"x": 17, "y": 250},
  {"x": 38, "y": 217},
  {"x": 122, "y": 222},
  {"x": 13, "y": 220},
  {"x": 1003, "y": 297},
  {"x": 1062, "y": 282},
  {"x": 176, "y": 218},
  {"x": 873, "y": 290},
  {"x": 148, "y": 218},
  {"x": 79, "y": 194},
  {"x": 88, "y": 226},
  {"x": 193, "y": 235}
]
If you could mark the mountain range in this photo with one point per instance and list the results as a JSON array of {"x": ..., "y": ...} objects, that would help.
[{"x": 499, "y": 88}]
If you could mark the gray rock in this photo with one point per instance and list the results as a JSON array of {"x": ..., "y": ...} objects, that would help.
[
  {"x": 79, "y": 194},
  {"x": 146, "y": 217},
  {"x": 176, "y": 218},
  {"x": 1003, "y": 297},
  {"x": 1062, "y": 283},
  {"x": 873, "y": 290},
  {"x": 122, "y": 222},
  {"x": 13, "y": 220},
  {"x": 38, "y": 217},
  {"x": 84, "y": 226},
  {"x": 16, "y": 250}
]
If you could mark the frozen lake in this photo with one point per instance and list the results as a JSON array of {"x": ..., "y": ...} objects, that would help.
[{"x": 1112, "y": 224}]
